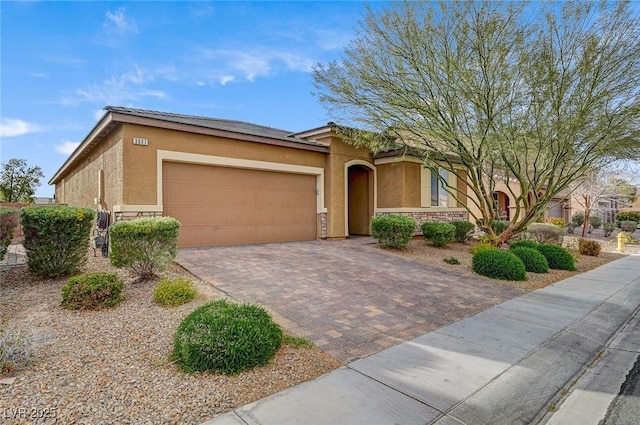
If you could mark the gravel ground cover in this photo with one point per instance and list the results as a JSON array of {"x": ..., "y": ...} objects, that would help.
[
  {"x": 422, "y": 251},
  {"x": 112, "y": 366}
]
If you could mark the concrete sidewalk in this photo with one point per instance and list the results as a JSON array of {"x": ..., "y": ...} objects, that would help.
[
  {"x": 15, "y": 256},
  {"x": 510, "y": 364}
]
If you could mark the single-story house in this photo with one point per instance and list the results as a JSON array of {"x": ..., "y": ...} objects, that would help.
[{"x": 231, "y": 182}]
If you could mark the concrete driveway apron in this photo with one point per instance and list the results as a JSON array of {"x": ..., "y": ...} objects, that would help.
[{"x": 349, "y": 297}]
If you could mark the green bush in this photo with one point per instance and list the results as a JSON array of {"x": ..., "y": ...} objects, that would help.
[
  {"x": 545, "y": 233},
  {"x": 595, "y": 221},
  {"x": 526, "y": 243},
  {"x": 627, "y": 216},
  {"x": 226, "y": 337},
  {"x": 92, "y": 291},
  {"x": 440, "y": 234},
  {"x": 393, "y": 231},
  {"x": 533, "y": 260},
  {"x": 8, "y": 223},
  {"x": 56, "y": 238},
  {"x": 451, "y": 260},
  {"x": 589, "y": 247},
  {"x": 577, "y": 218},
  {"x": 556, "y": 221},
  {"x": 628, "y": 226},
  {"x": 174, "y": 292},
  {"x": 608, "y": 228},
  {"x": 557, "y": 257},
  {"x": 499, "y": 264},
  {"x": 481, "y": 246},
  {"x": 463, "y": 230},
  {"x": 499, "y": 226},
  {"x": 144, "y": 245}
]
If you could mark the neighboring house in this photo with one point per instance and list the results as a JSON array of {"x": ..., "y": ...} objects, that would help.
[{"x": 230, "y": 182}]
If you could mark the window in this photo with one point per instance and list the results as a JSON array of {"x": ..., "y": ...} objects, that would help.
[{"x": 439, "y": 196}]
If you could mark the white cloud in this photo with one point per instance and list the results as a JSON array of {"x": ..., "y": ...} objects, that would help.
[
  {"x": 226, "y": 79},
  {"x": 67, "y": 147},
  {"x": 120, "y": 24},
  {"x": 10, "y": 127},
  {"x": 118, "y": 89}
]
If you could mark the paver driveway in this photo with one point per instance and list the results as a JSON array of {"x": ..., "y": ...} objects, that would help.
[{"x": 349, "y": 297}]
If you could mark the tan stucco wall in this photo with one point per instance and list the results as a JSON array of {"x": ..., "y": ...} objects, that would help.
[
  {"x": 80, "y": 186},
  {"x": 140, "y": 165},
  {"x": 399, "y": 185},
  {"x": 341, "y": 153}
]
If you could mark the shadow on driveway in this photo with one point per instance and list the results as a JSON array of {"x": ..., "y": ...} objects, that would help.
[{"x": 349, "y": 297}]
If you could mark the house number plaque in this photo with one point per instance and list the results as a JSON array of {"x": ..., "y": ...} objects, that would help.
[{"x": 140, "y": 141}]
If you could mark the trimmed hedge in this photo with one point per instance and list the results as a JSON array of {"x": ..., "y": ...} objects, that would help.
[
  {"x": 526, "y": 243},
  {"x": 557, "y": 257},
  {"x": 144, "y": 246},
  {"x": 393, "y": 231},
  {"x": 463, "y": 230},
  {"x": 224, "y": 337},
  {"x": 8, "y": 223},
  {"x": 532, "y": 259},
  {"x": 440, "y": 234},
  {"x": 92, "y": 291},
  {"x": 481, "y": 246},
  {"x": 627, "y": 216},
  {"x": 499, "y": 264},
  {"x": 56, "y": 238}
]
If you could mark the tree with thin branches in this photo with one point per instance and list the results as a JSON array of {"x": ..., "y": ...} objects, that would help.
[{"x": 535, "y": 95}]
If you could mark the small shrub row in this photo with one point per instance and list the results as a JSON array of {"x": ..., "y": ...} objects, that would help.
[
  {"x": 92, "y": 291},
  {"x": 224, "y": 337},
  {"x": 144, "y": 246},
  {"x": 56, "y": 238},
  {"x": 393, "y": 231},
  {"x": 8, "y": 223}
]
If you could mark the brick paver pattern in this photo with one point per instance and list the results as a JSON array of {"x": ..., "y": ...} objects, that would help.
[{"x": 350, "y": 298}]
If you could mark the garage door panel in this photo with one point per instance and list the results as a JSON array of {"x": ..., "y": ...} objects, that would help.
[{"x": 224, "y": 206}]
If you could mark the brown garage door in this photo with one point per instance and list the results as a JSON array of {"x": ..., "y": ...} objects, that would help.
[{"x": 227, "y": 206}]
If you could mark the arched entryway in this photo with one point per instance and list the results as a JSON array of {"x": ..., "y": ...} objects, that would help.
[
  {"x": 360, "y": 199},
  {"x": 501, "y": 204}
]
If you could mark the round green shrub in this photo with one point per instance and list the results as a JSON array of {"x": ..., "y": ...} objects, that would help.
[
  {"x": 557, "y": 257},
  {"x": 92, "y": 291},
  {"x": 393, "y": 231},
  {"x": 174, "y": 292},
  {"x": 608, "y": 228},
  {"x": 526, "y": 243},
  {"x": 499, "y": 264},
  {"x": 578, "y": 218},
  {"x": 225, "y": 337},
  {"x": 463, "y": 230},
  {"x": 440, "y": 234},
  {"x": 595, "y": 221},
  {"x": 532, "y": 259}
]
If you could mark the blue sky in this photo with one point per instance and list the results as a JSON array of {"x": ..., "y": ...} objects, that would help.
[{"x": 62, "y": 62}]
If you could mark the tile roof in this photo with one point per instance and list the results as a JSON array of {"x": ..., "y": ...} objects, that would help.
[{"x": 214, "y": 123}]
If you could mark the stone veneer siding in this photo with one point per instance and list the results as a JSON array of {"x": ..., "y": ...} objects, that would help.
[{"x": 424, "y": 216}]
